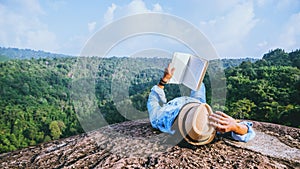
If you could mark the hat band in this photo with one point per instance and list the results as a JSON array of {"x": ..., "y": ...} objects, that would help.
[{"x": 186, "y": 133}]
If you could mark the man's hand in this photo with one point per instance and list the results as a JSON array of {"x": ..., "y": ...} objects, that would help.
[
  {"x": 169, "y": 71},
  {"x": 224, "y": 123},
  {"x": 167, "y": 76}
]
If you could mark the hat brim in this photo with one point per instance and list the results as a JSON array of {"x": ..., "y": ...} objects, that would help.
[{"x": 182, "y": 117}]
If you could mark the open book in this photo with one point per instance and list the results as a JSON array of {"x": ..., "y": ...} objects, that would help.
[{"x": 189, "y": 70}]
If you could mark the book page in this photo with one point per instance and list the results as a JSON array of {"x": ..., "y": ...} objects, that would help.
[
  {"x": 195, "y": 72},
  {"x": 179, "y": 62}
]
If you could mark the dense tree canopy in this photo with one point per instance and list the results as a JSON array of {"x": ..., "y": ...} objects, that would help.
[
  {"x": 39, "y": 103},
  {"x": 268, "y": 87}
]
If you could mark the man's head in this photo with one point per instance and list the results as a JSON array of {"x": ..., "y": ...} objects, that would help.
[{"x": 194, "y": 125}]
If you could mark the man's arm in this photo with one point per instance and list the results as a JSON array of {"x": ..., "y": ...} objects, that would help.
[
  {"x": 240, "y": 131},
  {"x": 224, "y": 123},
  {"x": 157, "y": 96},
  {"x": 167, "y": 76}
]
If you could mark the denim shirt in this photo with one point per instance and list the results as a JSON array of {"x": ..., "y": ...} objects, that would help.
[{"x": 162, "y": 113}]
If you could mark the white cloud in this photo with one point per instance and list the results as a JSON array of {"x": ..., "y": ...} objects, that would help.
[
  {"x": 134, "y": 7},
  {"x": 109, "y": 15},
  {"x": 230, "y": 30},
  {"x": 92, "y": 26},
  {"x": 157, "y": 8},
  {"x": 137, "y": 6},
  {"x": 290, "y": 36},
  {"x": 21, "y": 27}
]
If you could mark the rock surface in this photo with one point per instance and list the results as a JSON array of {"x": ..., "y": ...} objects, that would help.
[{"x": 135, "y": 144}]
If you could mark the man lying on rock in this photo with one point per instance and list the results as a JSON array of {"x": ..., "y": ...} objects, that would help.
[{"x": 193, "y": 118}]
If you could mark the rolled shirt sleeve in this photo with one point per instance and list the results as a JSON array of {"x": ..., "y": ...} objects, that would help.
[
  {"x": 161, "y": 113},
  {"x": 246, "y": 137},
  {"x": 156, "y": 96}
]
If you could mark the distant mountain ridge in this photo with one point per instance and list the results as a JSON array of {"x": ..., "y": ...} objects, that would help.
[
  {"x": 228, "y": 63},
  {"x": 16, "y": 53}
]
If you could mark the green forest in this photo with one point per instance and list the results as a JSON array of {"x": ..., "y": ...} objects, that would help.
[{"x": 41, "y": 96}]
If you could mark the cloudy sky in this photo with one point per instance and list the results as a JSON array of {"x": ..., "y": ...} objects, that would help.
[{"x": 236, "y": 28}]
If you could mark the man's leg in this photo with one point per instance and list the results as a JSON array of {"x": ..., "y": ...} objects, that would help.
[{"x": 200, "y": 94}]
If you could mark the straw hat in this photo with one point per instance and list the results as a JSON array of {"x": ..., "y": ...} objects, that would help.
[{"x": 193, "y": 123}]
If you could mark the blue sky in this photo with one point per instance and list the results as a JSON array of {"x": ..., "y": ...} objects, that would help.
[{"x": 236, "y": 28}]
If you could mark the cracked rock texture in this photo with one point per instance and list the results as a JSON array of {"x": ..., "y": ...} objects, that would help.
[{"x": 134, "y": 144}]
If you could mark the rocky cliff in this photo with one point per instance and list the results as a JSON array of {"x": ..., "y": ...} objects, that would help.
[{"x": 135, "y": 144}]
